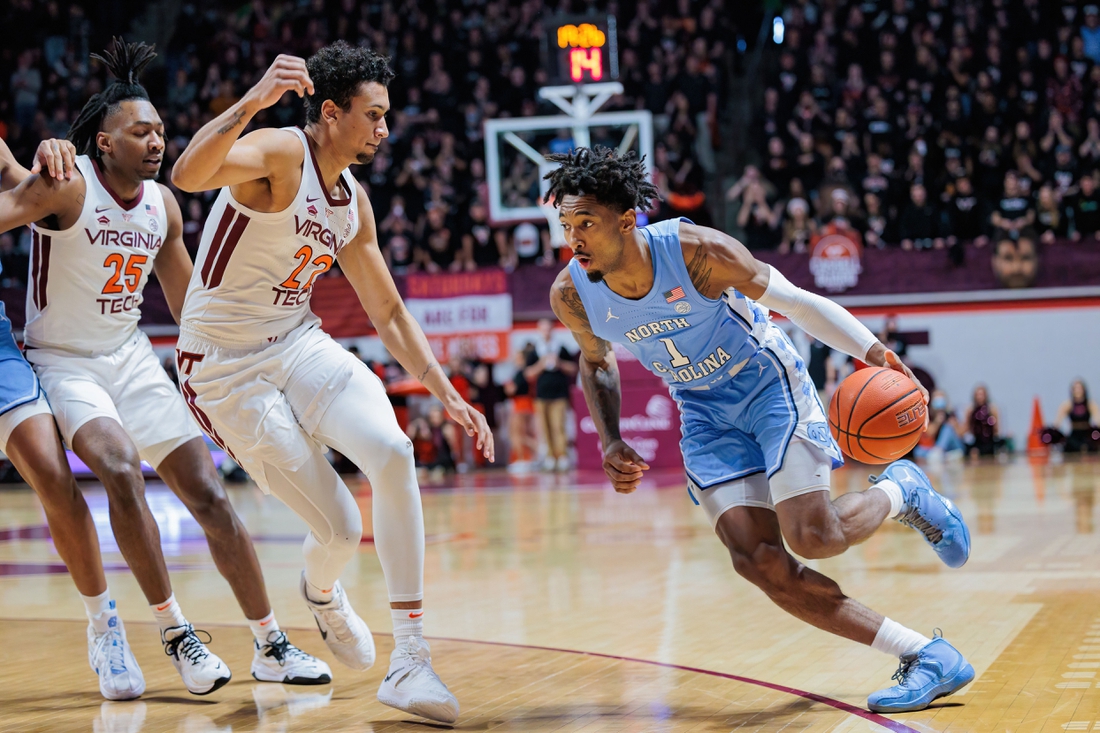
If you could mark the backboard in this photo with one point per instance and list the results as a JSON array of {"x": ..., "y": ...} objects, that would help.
[{"x": 515, "y": 147}]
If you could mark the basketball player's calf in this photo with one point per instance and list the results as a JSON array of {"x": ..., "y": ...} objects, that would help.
[
  {"x": 191, "y": 474},
  {"x": 814, "y": 525}
]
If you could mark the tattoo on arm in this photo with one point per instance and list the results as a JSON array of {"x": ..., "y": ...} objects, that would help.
[
  {"x": 699, "y": 270},
  {"x": 572, "y": 300},
  {"x": 604, "y": 398},
  {"x": 231, "y": 122},
  {"x": 427, "y": 369}
]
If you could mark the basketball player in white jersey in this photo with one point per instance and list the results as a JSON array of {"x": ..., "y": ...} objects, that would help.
[
  {"x": 28, "y": 437},
  {"x": 272, "y": 387},
  {"x": 96, "y": 237}
]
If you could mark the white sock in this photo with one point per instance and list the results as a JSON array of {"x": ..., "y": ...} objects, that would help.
[
  {"x": 407, "y": 622},
  {"x": 99, "y": 609},
  {"x": 168, "y": 614},
  {"x": 263, "y": 627},
  {"x": 893, "y": 493},
  {"x": 318, "y": 595},
  {"x": 895, "y": 640}
]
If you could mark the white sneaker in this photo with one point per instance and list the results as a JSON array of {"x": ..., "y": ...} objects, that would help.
[
  {"x": 280, "y": 661},
  {"x": 110, "y": 657},
  {"x": 413, "y": 686},
  {"x": 562, "y": 464},
  {"x": 201, "y": 670},
  {"x": 345, "y": 633}
]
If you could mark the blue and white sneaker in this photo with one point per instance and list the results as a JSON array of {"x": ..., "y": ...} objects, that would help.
[
  {"x": 110, "y": 658},
  {"x": 930, "y": 513},
  {"x": 936, "y": 670}
]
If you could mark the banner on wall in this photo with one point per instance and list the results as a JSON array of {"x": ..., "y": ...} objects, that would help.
[
  {"x": 463, "y": 313},
  {"x": 649, "y": 422}
]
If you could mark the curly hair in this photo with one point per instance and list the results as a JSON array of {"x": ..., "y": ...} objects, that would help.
[
  {"x": 618, "y": 181},
  {"x": 337, "y": 71},
  {"x": 125, "y": 61}
]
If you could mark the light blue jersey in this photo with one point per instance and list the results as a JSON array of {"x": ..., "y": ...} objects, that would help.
[{"x": 743, "y": 391}]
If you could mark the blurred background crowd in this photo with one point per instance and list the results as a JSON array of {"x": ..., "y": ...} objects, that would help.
[
  {"x": 926, "y": 124},
  {"x": 458, "y": 64}
]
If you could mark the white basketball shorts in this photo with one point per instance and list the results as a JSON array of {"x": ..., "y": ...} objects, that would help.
[
  {"x": 263, "y": 404},
  {"x": 127, "y": 385}
]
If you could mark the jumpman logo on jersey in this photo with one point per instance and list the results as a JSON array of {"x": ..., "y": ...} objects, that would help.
[
  {"x": 761, "y": 365},
  {"x": 610, "y": 315}
]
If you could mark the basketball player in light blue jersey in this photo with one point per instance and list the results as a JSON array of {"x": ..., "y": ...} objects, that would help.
[{"x": 692, "y": 304}]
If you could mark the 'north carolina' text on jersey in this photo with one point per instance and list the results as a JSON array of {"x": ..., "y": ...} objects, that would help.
[
  {"x": 687, "y": 340},
  {"x": 255, "y": 271},
  {"x": 86, "y": 281}
]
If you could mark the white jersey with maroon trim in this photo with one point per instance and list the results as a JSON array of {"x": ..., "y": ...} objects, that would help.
[
  {"x": 255, "y": 271},
  {"x": 86, "y": 281}
]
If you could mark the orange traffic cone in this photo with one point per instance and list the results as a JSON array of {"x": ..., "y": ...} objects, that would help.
[{"x": 1035, "y": 444}]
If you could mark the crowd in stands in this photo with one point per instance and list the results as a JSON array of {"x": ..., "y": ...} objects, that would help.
[
  {"x": 457, "y": 63},
  {"x": 927, "y": 124}
]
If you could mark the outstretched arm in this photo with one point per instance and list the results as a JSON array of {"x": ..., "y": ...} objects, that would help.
[
  {"x": 38, "y": 197},
  {"x": 362, "y": 262},
  {"x": 215, "y": 157},
  {"x": 717, "y": 262},
  {"x": 600, "y": 382}
]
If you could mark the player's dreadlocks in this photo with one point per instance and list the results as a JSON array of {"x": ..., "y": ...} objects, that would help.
[
  {"x": 618, "y": 181},
  {"x": 337, "y": 70},
  {"x": 125, "y": 61}
]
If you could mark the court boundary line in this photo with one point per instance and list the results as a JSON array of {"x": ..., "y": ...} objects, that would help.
[{"x": 844, "y": 707}]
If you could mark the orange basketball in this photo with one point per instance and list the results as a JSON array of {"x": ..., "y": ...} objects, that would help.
[{"x": 877, "y": 415}]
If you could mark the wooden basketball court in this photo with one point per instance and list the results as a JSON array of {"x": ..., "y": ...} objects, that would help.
[{"x": 555, "y": 604}]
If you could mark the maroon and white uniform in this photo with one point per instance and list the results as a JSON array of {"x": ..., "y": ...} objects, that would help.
[
  {"x": 83, "y": 308},
  {"x": 254, "y": 365}
]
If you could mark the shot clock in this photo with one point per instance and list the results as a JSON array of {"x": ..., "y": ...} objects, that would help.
[{"x": 581, "y": 49}]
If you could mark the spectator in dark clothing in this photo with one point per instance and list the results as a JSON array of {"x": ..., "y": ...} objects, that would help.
[
  {"x": 1085, "y": 208},
  {"x": 1063, "y": 174},
  {"x": 436, "y": 250},
  {"x": 759, "y": 220},
  {"x": 1050, "y": 218},
  {"x": 1013, "y": 211},
  {"x": 480, "y": 247},
  {"x": 552, "y": 373},
  {"x": 967, "y": 215},
  {"x": 880, "y": 229},
  {"x": 920, "y": 226}
]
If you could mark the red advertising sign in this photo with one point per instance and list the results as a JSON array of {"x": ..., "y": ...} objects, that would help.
[{"x": 649, "y": 421}]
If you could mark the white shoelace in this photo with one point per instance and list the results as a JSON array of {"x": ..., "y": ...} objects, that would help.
[{"x": 115, "y": 650}]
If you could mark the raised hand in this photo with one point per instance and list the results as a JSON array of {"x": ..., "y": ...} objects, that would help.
[{"x": 286, "y": 74}]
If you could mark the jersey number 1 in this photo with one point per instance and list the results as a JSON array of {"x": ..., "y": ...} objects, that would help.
[{"x": 678, "y": 359}]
